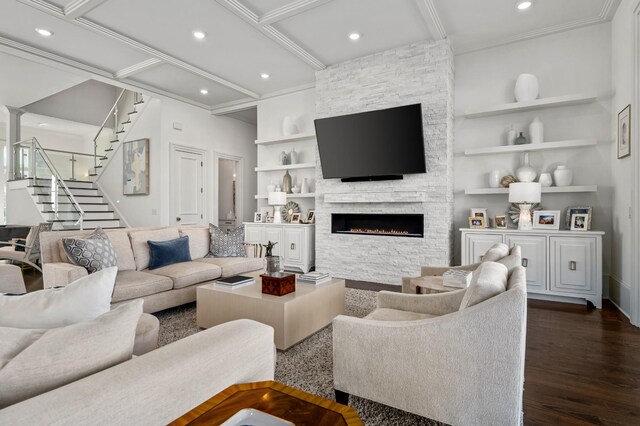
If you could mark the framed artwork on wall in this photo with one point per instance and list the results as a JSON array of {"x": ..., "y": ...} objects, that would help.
[
  {"x": 135, "y": 167},
  {"x": 624, "y": 132}
]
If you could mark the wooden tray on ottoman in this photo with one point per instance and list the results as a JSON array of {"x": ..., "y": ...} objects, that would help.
[{"x": 278, "y": 284}]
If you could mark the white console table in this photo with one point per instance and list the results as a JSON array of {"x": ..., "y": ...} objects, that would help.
[
  {"x": 561, "y": 265},
  {"x": 296, "y": 242}
]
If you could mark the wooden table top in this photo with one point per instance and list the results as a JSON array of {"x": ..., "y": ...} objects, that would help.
[{"x": 274, "y": 398}]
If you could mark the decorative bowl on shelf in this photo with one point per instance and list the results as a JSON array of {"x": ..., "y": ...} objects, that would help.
[{"x": 295, "y": 189}]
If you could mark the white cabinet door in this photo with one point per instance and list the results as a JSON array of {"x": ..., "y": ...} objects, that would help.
[
  {"x": 274, "y": 234},
  {"x": 534, "y": 258},
  {"x": 293, "y": 245},
  {"x": 476, "y": 245},
  {"x": 573, "y": 265},
  {"x": 253, "y": 234}
]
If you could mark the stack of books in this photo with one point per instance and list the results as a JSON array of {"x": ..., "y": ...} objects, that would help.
[
  {"x": 232, "y": 283},
  {"x": 314, "y": 277},
  {"x": 456, "y": 278}
]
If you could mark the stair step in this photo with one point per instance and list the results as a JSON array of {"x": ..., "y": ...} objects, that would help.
[
  {"x": 97, "y": 167},
  {"x": 104, "y": 158},
  {"x": 73, "y": 215},
  {"x": 108, "y": 150},
  {"x": 68, "y": 207},
  {"x": 133, "y": 112},
  {"x": 88, "y": 223},
  {"x": 79, "y": 184},
  {"x": 126, "y": 122},
  {"x": 114, "y": 141},
  {"x": 81, "y": 199},
  {"x": 119, "y": 132},
  {"x": 45, "y": 190},
  {"x": 138, "y": 103},
  {"x": 93, "y": 174}
]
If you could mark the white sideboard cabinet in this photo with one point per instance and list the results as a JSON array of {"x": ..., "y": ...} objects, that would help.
[
  {"x": 560, "y": 265},
  {"x": 296, "y": 242}
]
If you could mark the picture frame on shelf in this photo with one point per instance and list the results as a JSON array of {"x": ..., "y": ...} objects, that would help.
[
  {"x": 500, "y": 221},
  {"x": 579, "y": 221},
  {"x": 270, "y": 219},
  {"x": 476, "y": 222},
  {"x": 295, "y": 218},
  {"x": 311, "y": 216},
  {"x": 258, "y": 217},
  {"x": 546, "y": 219},
  {"x": 480, "y": 212},
  {"x": 579, "y": 209},
  {"x": 624, "y": 132}
]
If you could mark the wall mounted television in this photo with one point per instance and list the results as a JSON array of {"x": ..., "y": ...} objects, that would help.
[{"x": 375, "y": 145}]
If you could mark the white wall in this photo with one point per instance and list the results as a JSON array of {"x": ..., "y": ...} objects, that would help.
[
  {"x": 621, "y": 171},
  {"x": 571, "y": 62},
  {"x": 199, "y": 130}
]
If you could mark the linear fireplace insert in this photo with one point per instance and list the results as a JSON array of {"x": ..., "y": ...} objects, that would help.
[{"x": 395, "y": 225}]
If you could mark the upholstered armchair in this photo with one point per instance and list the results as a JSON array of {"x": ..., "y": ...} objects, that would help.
[
  {"x": 11, "y": 280},
  {"x": 29, "y": 252},
  {"x": 436, "y": 356}
]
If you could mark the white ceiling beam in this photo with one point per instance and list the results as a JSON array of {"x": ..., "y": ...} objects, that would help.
[
  {"x": 432, "y": 19},
  {"x": 252, "y": 19},
  {"x": 78, "y": 8},
  {"x": 289, "y": 10},
  {"x": 139, "y": 67},
  {"x": 233, "y": 106}
]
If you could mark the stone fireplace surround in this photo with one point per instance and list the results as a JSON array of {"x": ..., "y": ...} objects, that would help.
[{"x": 420, "y": 72}]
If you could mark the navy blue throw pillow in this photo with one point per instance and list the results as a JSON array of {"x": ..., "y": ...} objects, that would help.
[{"x": 164, "y": 253}]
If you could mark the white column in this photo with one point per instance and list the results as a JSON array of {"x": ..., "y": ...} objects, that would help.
[{"x": 12, "y": 135}]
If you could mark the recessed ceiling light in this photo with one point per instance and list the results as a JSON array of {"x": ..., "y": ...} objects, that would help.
[
  {"x": 204, "y": 91},
  {"x": 264, "y": 75},
  {"x": 44, "y": 32},
  {"x": 200, "y": 35},
  {"x": 354, "y": 36},
  {"x": 523, "y": 5}
]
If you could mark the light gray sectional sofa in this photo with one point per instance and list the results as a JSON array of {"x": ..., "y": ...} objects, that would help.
[{"x": 161, "y": 288}]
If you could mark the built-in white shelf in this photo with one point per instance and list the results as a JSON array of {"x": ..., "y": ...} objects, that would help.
[
  {"x": 292, "y": 138},
  {"x": 287, "y": 167},
  {"x": 545, "y": 190},
  {"x": 556, "y": 101},
  {"x": 307, "y": 195},
  {"x": 377, "y": 197},
  {"x": 506, "y": 149}
]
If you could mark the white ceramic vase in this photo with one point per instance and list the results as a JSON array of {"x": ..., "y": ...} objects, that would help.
[
  {"x": 511, "y": 136},
  {"x": 536, "y": 131},
  {"x": 562, "y": 176},
  {"x": 293, "y": 157},
  {"x": 526, "y": 88},
  {"x": 305, "y": 186},
  {"x": 289, "y": 127},
  {"x": 545, "y": 179},
  {"x": 494, "y": 178},
  {"x": 526, "y": 173}
]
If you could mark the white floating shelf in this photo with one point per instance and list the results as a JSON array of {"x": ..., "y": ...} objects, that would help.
[
  {"x": 292, "y": 138},
  {"x": 556, "y": 101},
  {"x": 505, "y": 149},
  {"x": 545, "y": 190},
  {"x": 287, "y": 167},
  {"x": 307, "y": 195}
]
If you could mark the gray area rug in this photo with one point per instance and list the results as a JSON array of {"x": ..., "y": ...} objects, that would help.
[{"x": 309, "y": 364}]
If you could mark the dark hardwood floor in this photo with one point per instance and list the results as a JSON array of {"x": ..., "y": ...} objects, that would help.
[{"x": 582, "y": 366}]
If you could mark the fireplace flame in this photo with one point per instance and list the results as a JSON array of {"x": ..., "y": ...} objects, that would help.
[{"x": 378, "y": 231}]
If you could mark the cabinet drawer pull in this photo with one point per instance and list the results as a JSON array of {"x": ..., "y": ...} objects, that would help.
[
  {"x": 572, "y": 265},
  {"x": 293, "y": 246},
  {"x": 525, "y": 262}
]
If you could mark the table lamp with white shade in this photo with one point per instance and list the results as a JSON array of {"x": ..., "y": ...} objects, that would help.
[
  {"x": 525, "y": 195},
  {"x": 277, "y": 199}
]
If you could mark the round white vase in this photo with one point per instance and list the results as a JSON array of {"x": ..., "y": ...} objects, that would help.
[
  {"x": 562, "y": 176},
  {"x": 526, "y": 88},
  {"x": 305, "y": 186},
  {"x": 494, "y": 178},
  {"x": 545, "y": 179},
  {"x": 289, "y": 127},
  {"x": 526, "y": 173},
  {"x": 536, "y": 131}
]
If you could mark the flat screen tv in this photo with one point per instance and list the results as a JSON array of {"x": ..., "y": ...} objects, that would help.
[{"x": 374, "y": 145}]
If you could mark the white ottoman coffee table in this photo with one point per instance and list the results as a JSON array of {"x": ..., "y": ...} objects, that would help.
[{"x": 294, "y": 316}]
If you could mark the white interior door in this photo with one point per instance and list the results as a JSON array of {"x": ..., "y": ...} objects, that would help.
[{"x": 187, "y": 180}]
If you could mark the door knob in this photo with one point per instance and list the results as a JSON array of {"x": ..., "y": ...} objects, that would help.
[{"x": 178, "y": 219}]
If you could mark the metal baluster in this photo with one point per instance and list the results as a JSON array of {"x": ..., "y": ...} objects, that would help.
[
  {"x": 73, "y": 166},
  {"x": 34, "y": 153},
  {"x": 54, "y": 196}
]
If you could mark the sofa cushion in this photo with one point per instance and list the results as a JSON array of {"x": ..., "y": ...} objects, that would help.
[
  {"x": 165, "y": 253},
  {"x": 141, "y": 248},
  {"x": 227, "y": 244},
  {"x": 513, "y": 260},
  {"x": 93, "y": 253},
  {"x": 386, "y": 314},
  {"x": 489, "y": 280},
  {"x": 134, "y": 284},
  {"x": 235, "y": 265},
  {"x": 199, "y": 240},
  {"x": 36, "y": 361},
  {"x": 496, "y": 252},
  {"x": 82, "y": 300},
  {"x": 119, "y": 241},
  {"x": 188, "y": 273}
]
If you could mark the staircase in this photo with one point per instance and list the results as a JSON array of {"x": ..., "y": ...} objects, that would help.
[{"x": 63, "y": 200}]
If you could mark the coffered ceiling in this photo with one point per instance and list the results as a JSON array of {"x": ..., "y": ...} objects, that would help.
[{"x": 149, "y": 44}]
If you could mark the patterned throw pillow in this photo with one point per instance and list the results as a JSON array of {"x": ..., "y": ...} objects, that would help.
[
  {"x": 225, "y": 244},
  {"x": 93, "y": 253}
]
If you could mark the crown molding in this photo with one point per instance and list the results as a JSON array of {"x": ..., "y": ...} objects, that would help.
[
  {"x": 289, "y": 10},
  {"x": 233, "y": 106},
  {"x": 139, "y": 67},
  {"x": 78, "y": 8},
  {"x": 432, "y": 19},
  {"x": 288, "y": 91}
]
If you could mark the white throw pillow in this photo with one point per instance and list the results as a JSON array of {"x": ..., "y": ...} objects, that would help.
[
  {"x": 489, "y": 280},
  {"x": 82, "y": 300},
  {"x": 36, "y": 361}
]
